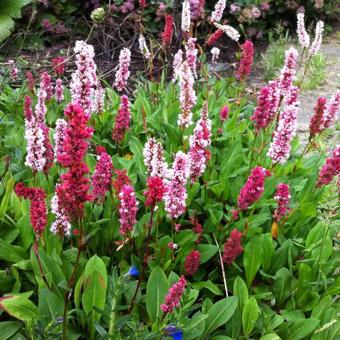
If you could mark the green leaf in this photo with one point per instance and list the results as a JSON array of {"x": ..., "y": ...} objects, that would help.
[
  {"x": 241, "y": 291},
  {"x": 270, "y": 336},
  {"x": 9, "y": 328},
  {"x": 19, "y": 307},
  {"x": 282, "y": 285},
  {"x": 11, "y": 253},
  {"x": 51, "y": 305},
  {"x": 207, "y": 252},
  {"x": 252, "y": 259},
  {"x": 208, "y": 285},
  {"x": 156, "y": 290},
  {"x": 299, "y": 329},
  {"x": 268, "y": 251},
  {"x": 94, "y": 286},
  {"x": 219, "y": 313},
  {"x": 249, "y": 315}
]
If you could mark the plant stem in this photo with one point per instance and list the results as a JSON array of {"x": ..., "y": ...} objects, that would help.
[
  {"x": 36, "y": 252},
  {"x": 70, "y": 282},
  {"x": 222, "y": 267}
]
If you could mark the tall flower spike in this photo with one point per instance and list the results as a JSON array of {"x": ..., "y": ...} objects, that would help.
[
  {"x": 187, "y": 96},
  {"x": 172, "y": 299},
  {"x": 143, "y": 47},
  {"x": 175, "y": 194},
  {"x": 84, "y": 80},
  {"x": 122, "y": 120},
  {"x": 231, "y": 32},
  {"x": 127, "y": 209},
  {"x": 199, "y": 143},
  {"x": 74, "y": 184},
  {"x": 186, "y": 21},
  {"x": 279, "y": 149},
  {"x": 168, "y": 30},
  {"x": 282, "y": 197},
  {"x": 176, "y": 66},
  {"x": 316, "y": 122},
  {"x": 267, "y": 105},
  {"x": 154, "y": 158},
  {"x": 192, "y": 262},
  {"x": 61, "y": 225},
  {"x": 46, "y": 85},
  {"x": 102, "y": 176},
  {"x": 330, "y": 169},
  {"x": 59, "y": 90},
  {"x": 253, "y": 188},
  {"x": 38, "y": 210},
  {"x": 155, "y": 191},
  {"x": 191, "y": 55},
  {"x": 246, "y": 62},
  {"x": 233, "y": 247},
  {"x": 331, "y": 111},
  {"x": 303, "y": 36},
  {"x": 196, "y": 9},
  {"x": 289, "y": 70},
  {"x": 123, "y": 72},
  {"x": 48, "y": 154},
  {"x": 216, "y": 15},
  {"x": 59, "y": 137},
  {"x": 316, "y": 44},
  {"x": 215, "y": 36}
]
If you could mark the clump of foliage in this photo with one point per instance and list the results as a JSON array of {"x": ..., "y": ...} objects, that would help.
[{"x": 178, "y": 210}]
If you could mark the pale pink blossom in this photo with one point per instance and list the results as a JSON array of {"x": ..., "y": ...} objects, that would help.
[
  {"x": 231, "y": 32},
  {"x": 199, "y": 143},
  {"x": 154, "y": 158},
  {"x": 331, "y": 112},
  {"x": 288, "y": 71},
  {"x": 59, "y": 136},
  {"x": 60, "y": 225},
  {"x": 59, "y": 90},
  {"x": 176, "y": 66},
  {"x": 176, "y": 194},
  {"x": 187, "y": 95},
  {"x": 186, "y": 21},
  {"x": 303, "y": 36},
  {"x": 316, "y": 44},
  {"x": 191, "y": 55},
  {"x": 217, "y": 13},
  {"x": 143, "y": 47},
  {"x": 128, "y": 208},
  {"x": 215, "y": 52},
  {"x": 123, "y": 72}
]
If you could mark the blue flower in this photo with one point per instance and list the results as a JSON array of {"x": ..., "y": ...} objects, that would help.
[
  {"x": 133, "y": 271},
  {"x": 174, "y": 332}
]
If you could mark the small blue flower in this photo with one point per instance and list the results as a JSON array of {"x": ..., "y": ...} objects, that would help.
[
  {"x": 133, "y": 271},
  {"x": 174, "y": 332}
]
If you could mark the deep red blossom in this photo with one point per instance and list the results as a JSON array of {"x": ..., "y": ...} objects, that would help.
[
  {"x": 233, "y": 247},
  {"x": 330, "y": 169},
  {"x": 155, "y": 191},
  {"x": 142, "y": 3},
  {"x": 246, "y": 62},
  {"x": 102, "y": 177},
  {"x": 48, "y": 153},
  {"x": 28, "y": 112},
  {"x": 74, "y": 185},
  {"x": 59, "y": 65},
  {"x": 30, "y": 81},
  {"x": 316, "y": 122},
  {"x": 197, "y": 229},
  {"x": 122, "y": 120},
  {"x": 172, "y": 299},
  {"x": 192, "y": 262},
  {"x": 253, "y": 188},
  {"x": 282, "y": 197},
  {"x": 214, "y": 37},
  {"x": 121, "y": 178},
  {"x": 224, "y": 113},
  {"x": 38, "y": 210},
  {"x": 76, "y": 135},
  {"x": 168, "y": 30}
]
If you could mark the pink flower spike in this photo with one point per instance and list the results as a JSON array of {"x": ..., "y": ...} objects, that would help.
[
  {"x": 316, "y": 122},
  {"x": 127, "y": 209},
  {"x": 217, "y": 14},
  {"x": 154, "y": 158},
  {"x": 330, "y": 169},
  {"x": 123, "y": 72},
  {"x": 331, "y": 111},
  {"x": 224, "y": 113},
  {"x": 233, "y": 247},
  {"x": 192, "y": 262},
  {"x": 59, "y": 90},
  {"x": 289, "y": 70},
  {"x": 282, "y": 197},
  {"x": 253, "y": 188},
  {"x": 155, "y": 191},
  {"x": 246, "y": 62},
  {"x": 172, "y": 299},
  {"x": 102, "y": 177},
  {"x": 122, "y": 120}
]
